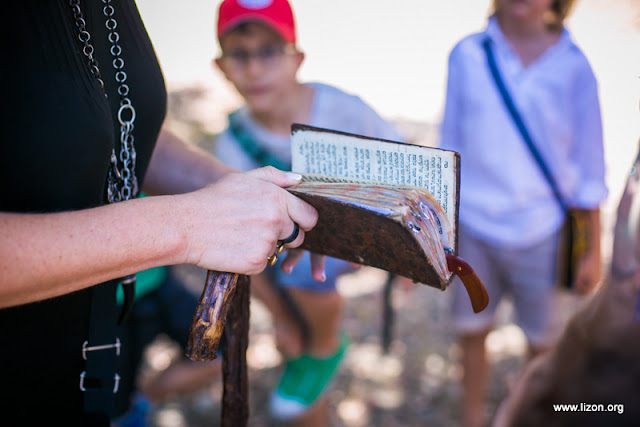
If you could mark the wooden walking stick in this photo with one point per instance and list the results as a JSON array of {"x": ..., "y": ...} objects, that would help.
[
  {"x": 235, "y": 402},
  {"x": 225, "y": 293},
  {"x": 208, "y": 326},
  {"x": 210, "y": 316}
]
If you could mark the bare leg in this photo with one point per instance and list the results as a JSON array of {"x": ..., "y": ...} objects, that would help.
[
  {"x": 323, "y": 312},
  {"x": 287, "y": 332},
  {"x": 183, "y": 376},
  {"x": 476, "y": 371}
]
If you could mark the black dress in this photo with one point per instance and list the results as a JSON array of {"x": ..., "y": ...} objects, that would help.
[{"x": 57, "y": 136}]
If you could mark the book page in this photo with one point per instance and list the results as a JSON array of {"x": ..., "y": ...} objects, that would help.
[{"x": 353, "y": 158}]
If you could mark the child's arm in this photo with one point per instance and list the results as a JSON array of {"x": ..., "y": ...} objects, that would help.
[
  {"x": 178, "y": 167},
  {"x": 590, "y": 267}
]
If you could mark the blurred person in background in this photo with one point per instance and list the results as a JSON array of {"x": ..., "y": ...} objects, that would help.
[
  {"x": 260, "y": 57},
  {"x": 597, "y": 359},
  {"x": 510, "y": 218}
]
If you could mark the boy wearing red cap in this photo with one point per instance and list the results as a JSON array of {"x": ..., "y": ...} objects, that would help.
[{"x": 261, "y": 59}]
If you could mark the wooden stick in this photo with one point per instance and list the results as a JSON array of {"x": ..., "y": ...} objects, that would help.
[
  {"x": 235, "y": 395},
  {"x": 209, "y": 318}
]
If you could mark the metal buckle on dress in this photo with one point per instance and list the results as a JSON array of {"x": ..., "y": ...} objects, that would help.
[
  {"x": 116, "y": 379},
  {"x": 85, "y": 348}
]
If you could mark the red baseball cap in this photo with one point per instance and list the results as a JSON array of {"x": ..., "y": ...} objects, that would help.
[{"x": 275, "y": 13}]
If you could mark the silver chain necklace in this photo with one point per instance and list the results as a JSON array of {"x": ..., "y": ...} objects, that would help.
[{"x": 122, "y": 183}]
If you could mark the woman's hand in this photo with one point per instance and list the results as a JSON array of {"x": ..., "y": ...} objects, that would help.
[{"x": 234, "y": 224}]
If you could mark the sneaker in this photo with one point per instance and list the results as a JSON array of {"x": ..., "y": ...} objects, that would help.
[{"x": 303, "y": 382}]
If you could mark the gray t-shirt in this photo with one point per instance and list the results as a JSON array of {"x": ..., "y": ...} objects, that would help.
[{"x": 331, "y": 108}]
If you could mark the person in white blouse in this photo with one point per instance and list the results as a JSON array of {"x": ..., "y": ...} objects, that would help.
[{"x": 510, "y": 218}]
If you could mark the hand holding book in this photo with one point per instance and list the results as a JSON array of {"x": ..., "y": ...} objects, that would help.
[
  {"x": 400, "y": 229},
  {"x": 384, "y": 204},
  {"x": 380, "y": 203}
]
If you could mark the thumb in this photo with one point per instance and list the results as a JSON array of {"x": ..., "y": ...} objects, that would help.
[{"x": 276, "y": 176}]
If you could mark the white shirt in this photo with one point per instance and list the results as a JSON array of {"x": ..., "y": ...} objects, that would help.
[
  {"x": 504, "y": 197},
  {"x": 331, "y": 108}
]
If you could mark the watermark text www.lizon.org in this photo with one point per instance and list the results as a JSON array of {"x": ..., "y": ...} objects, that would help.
[{"x": 590, "y": 407}]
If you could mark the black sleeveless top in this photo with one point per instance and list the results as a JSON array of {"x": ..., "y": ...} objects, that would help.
[{"x": 58, "y": 131}]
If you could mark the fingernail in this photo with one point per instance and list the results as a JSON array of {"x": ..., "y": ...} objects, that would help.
[
  {"x": 287, "y": 269},
  {"x": 294, "y": 176}
]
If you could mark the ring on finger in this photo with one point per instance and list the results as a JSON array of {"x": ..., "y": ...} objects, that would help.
[
  {"x": 292, "y": 237},
  {"x": 271, "y": 260}
]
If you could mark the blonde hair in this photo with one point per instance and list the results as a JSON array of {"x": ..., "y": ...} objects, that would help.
[{"x": 555, "y": 16}]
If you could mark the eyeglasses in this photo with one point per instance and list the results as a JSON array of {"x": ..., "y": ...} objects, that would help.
[{"x": 267, "y": 55}]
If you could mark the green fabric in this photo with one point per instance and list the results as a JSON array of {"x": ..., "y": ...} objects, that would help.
[
  {"x": 146, "y": 281},
  {"x": 306, "y": 377},
  {"x": 257, "y": 153}
]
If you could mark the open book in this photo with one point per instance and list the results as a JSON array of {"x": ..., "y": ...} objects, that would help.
[{"x": 383, "y": 204}]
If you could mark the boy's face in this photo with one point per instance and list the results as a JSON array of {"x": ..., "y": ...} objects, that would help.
[{"x": 260, "y": 64}]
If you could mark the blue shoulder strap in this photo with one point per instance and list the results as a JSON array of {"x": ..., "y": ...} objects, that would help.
[
  {"x": 520, "y": 123},
  {"x": 257, "y": 153}
]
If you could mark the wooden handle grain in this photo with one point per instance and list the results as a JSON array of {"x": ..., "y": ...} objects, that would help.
[{"x": 210, "y": 316}]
